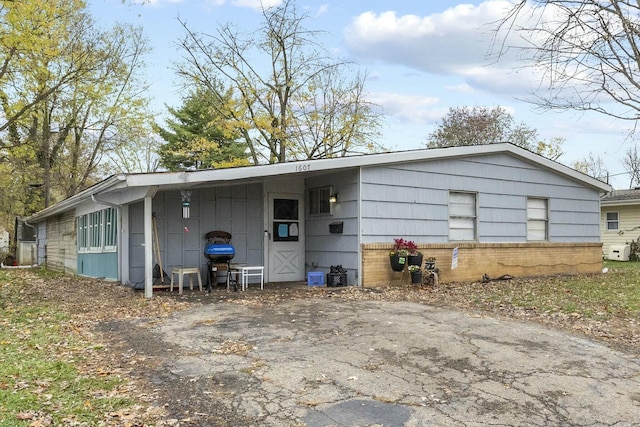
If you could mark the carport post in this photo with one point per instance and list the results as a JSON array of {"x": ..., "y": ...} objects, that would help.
[{"x": 148, "y": 247}]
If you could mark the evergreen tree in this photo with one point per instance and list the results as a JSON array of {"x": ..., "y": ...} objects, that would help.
[{"x": 196, "y": 139}]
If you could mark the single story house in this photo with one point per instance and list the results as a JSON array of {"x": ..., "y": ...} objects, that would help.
[
  {"x": 489, "y": 209},
  {"x": 619, "y": 218}
]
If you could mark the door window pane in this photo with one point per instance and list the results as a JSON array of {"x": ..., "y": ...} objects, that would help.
[{"x": 285, "y": 209}]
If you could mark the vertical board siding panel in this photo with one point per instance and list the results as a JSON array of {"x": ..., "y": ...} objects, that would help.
[
  {"x": 136, "y": 242},
  {"x": 235, "y": 209}
]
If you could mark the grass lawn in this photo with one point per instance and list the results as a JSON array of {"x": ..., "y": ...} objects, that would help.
[
  {"x": 615, "y": 294},
  {"x": 40, "y": 351}
]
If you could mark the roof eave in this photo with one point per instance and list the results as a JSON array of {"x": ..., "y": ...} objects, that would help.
[{"x": 74, "y": 200}]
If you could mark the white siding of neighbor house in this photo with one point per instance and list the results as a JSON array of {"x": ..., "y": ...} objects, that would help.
[
  {"x": 628, "y": 226},
  {"x": 411, "y": 200},
  {"x": 324, "y": 249}
]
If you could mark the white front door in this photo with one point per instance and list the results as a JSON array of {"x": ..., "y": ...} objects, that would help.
[{"x": 286, "y": 237}]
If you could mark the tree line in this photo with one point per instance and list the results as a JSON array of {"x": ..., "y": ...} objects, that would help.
[{"x": 74, "y": 108}]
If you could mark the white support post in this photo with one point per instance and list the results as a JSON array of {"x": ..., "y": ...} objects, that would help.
[{"x": 148, "y": 247}]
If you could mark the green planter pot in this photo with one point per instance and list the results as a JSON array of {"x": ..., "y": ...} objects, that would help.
[{"x": 397, "y": 262}]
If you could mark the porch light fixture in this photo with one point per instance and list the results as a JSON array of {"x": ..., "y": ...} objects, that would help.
[
  {"x": 333, "y": 198},
  {"x": 186, "y": 201}
]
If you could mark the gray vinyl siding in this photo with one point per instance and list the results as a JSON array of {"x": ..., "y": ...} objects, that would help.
[
  {"x": 324, "y": 249},
  {"x": 236, "y": 209},
  {"x": 411, "y": 200}
]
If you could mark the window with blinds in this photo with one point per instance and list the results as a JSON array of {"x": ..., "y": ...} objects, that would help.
[
  {"x": 462, "y": 216},
  {"x": 537, "y": 219}
]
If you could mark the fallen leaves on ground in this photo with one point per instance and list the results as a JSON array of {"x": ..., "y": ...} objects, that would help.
[{"x": 90, "y": 301}]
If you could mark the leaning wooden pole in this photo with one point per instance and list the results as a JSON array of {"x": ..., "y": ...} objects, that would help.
[{"x": 155, "y": 233}]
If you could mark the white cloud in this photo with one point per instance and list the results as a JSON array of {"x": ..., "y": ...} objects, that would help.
[
  {"x": 256, "y": 4},
  {"x": 416, "y": 109},
  {"x": 461, "y": 88},
  {"x": 322, "y": 10},
  {"x": 251, "y": 4},
  {"x": 455, "y": 42}
]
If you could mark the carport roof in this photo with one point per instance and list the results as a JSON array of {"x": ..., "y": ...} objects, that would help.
[{"x": 192, "y": 179}]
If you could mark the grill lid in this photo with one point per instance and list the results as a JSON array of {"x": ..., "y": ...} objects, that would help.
[{"x": 218, "y": 249}]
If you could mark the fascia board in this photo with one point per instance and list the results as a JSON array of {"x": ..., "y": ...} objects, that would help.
[
  {"x": 319, "y": 165},
  {"x": 114, "y": 181},
  {"x": 627, "y": 202},
  {"x": 186, "y": 179}
]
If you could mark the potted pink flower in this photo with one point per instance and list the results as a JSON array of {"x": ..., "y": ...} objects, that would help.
[{"x": 405, "y": 252}]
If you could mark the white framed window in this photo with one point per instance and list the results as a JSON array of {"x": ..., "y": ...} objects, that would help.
[
  {"x": 319, "y": 201},
  {"x": 82, "y": 233},
  {"x": 613, "y": 221},
  {"x": 110, "y": 228},
  {"x": 537, "y": 219},
  {"x": 462, "y": 216},
  {"x": 95, "y": 230}
]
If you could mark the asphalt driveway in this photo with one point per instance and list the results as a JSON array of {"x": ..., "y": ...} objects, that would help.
[{"x": 319, "y": 362}]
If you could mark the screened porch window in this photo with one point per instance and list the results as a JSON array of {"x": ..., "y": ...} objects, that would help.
[
  {"x": 98, "y": 231},
  {"x": 462, "y": 216},
  {"x": 537, "y": 219},
  {"x": 82, "y": 232},
  {"x": 95, "y": 228}
]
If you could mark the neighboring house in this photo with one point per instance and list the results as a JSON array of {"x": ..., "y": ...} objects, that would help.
[
  {"x": 504, "y": 209},
  {"x": 620, "y": 218}
]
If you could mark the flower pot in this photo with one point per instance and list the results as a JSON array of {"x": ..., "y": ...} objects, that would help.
[
  {"x": 397, "y": 262},
  {"x": 414, "y": 259},
  {"x": 416, "y": 277}
]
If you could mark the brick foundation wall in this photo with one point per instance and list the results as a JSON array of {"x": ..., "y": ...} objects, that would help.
[{"x": 494, "y": 259}]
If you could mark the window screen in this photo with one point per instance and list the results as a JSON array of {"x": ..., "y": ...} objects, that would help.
[
  {"x": 462, "y": 216},
  {"x": 537, "y": 219}
]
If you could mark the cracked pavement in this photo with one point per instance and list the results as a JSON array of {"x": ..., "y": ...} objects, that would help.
[{"x": 319, "y": 363}]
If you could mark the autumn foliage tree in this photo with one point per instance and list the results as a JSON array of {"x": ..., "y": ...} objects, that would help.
[
  {"x": 464, "y": 126},
  {"x": 66, "y": 89},
  {"x": 289, "y": 98},
  {"x": 592, "y": 165}
]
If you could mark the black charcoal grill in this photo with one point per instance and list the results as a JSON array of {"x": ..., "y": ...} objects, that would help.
[{"x": 218, "y": 250}]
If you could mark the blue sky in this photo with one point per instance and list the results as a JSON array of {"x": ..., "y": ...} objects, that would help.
[{"x": 422, "y": 57}]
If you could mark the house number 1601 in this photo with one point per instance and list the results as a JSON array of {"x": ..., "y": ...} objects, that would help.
[{"x": 303, "y": 168}]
